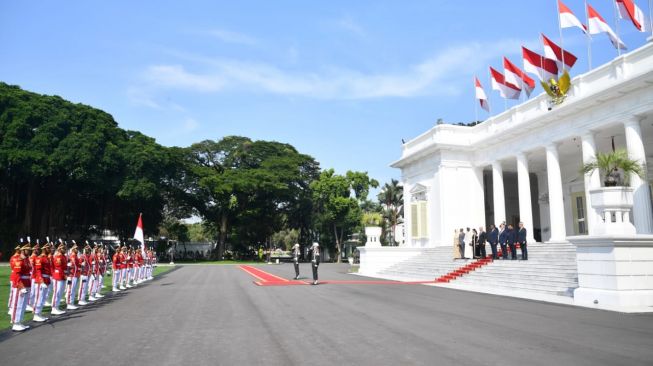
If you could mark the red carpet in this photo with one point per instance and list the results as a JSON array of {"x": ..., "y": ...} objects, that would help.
[{"x": 268, "y": 279}]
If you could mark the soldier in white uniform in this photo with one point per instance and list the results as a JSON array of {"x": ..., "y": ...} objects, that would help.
[{"x": 315, "y": 260}]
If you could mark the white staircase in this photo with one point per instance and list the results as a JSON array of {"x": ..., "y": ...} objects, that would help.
[
  {"x": 431, "y": 264},
  {"x": 551, "y": 269}
]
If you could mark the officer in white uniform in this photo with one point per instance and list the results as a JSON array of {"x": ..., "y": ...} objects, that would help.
[{"x": 315, "y": 260}]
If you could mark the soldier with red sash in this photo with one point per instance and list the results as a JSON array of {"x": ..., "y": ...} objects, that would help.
[
  {"x": 123, "y": 267},
  {"x": 72, "y": 278},
  {"x": 115, "y": 265},
  {"x": 20, "y": 269},
  {"x": 42, "y": 273},
  {"x": 51, "y": 261},
  {"x": 13, "y": 277},
  {"x": 102, "y": 269},
  {"x": 32, "y": 258},
  {"x": 85, "y": 271},
  {"x": 60, "y": 264}
]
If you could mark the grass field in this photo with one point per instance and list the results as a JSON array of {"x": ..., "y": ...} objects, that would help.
[{"x": 4, "y": 294}]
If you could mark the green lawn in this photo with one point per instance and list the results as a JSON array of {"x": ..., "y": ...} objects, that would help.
[
  {"x": 4, "y": 293},
  {"x": 217, "y": 262}
]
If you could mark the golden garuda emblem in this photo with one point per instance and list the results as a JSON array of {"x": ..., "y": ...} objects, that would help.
[{"x": 557, "y": 90}]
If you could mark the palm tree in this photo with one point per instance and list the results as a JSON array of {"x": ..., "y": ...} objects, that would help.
[
  {"x": 611, "y": 164},
  {"x": 392, "y": 199}
]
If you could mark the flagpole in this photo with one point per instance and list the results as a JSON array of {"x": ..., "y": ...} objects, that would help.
[
  {"x": 589, "y": 39},
  {"x": 650, "y": 16},
  {"x": 562, "y": 46},
  {"x": 475, "y": 103},
  {"x": 616, "y": 20}
]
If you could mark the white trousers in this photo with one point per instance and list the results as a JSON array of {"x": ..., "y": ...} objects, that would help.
[
  {"x": 58, "y": 288},
  {"x": 123, "y": 276},
  {"x": 32, "y": 294},
  {"x": 83, "y": 286},
  {"x": 116, "y": 278},
  {"x": 19, "y": 303},
  {"x": 71, "y": 290},
  {"x": 42, "y": 293}
]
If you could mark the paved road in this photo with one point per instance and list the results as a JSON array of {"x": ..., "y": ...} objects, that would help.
[{"x": 214, "y": 315}]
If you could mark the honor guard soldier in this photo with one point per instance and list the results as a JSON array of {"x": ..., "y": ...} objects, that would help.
[
  {"x": 32, "y": 258},
  {"x": 60, "y": 263},
  {"x": 21, "y": 270},
  {"x": 51, "y": 261},
  {"x": 295, "y": 259},
  {"x": 315, "y": 260},
  {"x": 42, "y": 272},
  {"x": 123, "y": 267},
  {"x": 130, "y": 268},
  {"x": 73, "y": 277},
  {"x": 115, "y": 265},
  {"x": 93, "y": 273},
  {"x": 13, "y": 277},
  {"x": 85, "y": 271}
]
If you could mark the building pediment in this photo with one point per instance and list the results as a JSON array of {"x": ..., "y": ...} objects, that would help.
[{"x": 418, "y": 188}]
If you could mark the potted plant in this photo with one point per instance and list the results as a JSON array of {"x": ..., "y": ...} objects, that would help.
[
  {"x": 612, "y": 165},
  {"x": 372, "y": 223},
  {"x": 614, "y": 200}
]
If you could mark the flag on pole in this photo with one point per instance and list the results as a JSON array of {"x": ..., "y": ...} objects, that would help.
[
  {"x": 516, "y": 76},
  {"x": 506, "y": 90},
  {"x": 481, "y": 96},
  {"x": 628, "y": 9},
  {"x": 596, "y": 24},
  {"x": 568, "y": 19},
  {"x": 546, "y": 69},
  {"x": 138, "y": 234},
  {"x": 555, "y": 52}
]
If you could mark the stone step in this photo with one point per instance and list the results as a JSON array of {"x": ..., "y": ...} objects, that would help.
[
  {"x": 551, "y": 291},
  {"x": 483, "y": 278},
  {"x": 506, "y": 272}
]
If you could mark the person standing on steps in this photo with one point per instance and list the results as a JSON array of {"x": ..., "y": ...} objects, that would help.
[
  {"x": 295, "y": 258},
  {"x": 315, "y": 260},
  {"x": 503, "y": 237},
  {"x": 493, "y": 238},
  {"x": 512, "y": 239},
  {"x": 482, "y": 238},
  {"x": 461, "y": 243},
  {"x": 521, "y": 239}
]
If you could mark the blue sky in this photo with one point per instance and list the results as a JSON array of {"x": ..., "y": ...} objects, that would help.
[{"x": 343, "y": 81}]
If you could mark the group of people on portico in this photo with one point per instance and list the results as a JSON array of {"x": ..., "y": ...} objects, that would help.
[{"x": 507, "y": 238}]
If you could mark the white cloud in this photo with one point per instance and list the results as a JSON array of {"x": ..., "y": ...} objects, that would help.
[
  {"x": 232, "y": 37},
  {"x": 446, "y": 73}
]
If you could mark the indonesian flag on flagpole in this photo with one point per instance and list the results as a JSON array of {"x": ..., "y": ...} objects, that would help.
[
  {"x": 516, "y": 76},
  {"x": 568, "y": 19},
  {"x": 545, "y": 69},
  {"x": 506, "y": 90},
  {"x": 481, "y": 96},
  {"x": 138, "y": 234},
  {"x": 555, "y": 52},
  {"x": 597, "y": 24},
  {"x": 628, "y": 9}
]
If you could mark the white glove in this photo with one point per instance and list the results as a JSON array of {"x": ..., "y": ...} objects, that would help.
[
  {"x": 23, "y": 291},
  {"x": 44, "y": 286}
]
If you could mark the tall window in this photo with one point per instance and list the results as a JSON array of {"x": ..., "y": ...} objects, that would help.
[
  {"x": 419, "y": 220},
  {"x": 580, "y": 219}
]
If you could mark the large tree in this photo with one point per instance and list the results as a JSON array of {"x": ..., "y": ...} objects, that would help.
[
  {"x": 391, "y": 198},
  {"x": 249, "y": 188},
  {"x": 337, "y": 200}
]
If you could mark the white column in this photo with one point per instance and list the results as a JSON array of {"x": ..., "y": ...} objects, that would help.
[
  {"x": 642, "y": 213},
  {"x": 524, "y": 190},
  {"x": 556, "y": 203},
  {"x": 498, "y": 194},
  {"x": 592, "y": 181},
  {"x": 479, "y": 200}
]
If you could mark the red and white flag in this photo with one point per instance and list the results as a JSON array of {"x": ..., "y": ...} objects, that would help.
[
  {"x": 480, "y": 95},
  {"x": 628, "y": 9},
  {"x": 138, "y": 234},
  {"x": 596, "y": 24},
  {"x": 506, "y": 90},
  {"x": 545, "y": 69},
  {"x": 555, "y": 52},
  {"x": 568, "y": 19},
  {"x": 516, "y": 76}
]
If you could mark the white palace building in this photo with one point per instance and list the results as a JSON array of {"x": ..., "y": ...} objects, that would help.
[{"x": 524, "y": 165}]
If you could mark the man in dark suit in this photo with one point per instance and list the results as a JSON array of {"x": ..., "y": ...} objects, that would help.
[
  {"x": 482, "y": 238},
  {"x": 511, "y": 240},
  {"x": 461, "y": 243},
  {"x": 493, "y": 238},
  {"x": 503, "y": 237},
  {"x": 521, "y": 239}
]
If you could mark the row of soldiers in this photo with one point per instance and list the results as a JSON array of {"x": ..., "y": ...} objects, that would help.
[{"x": 63, "y": 275}]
